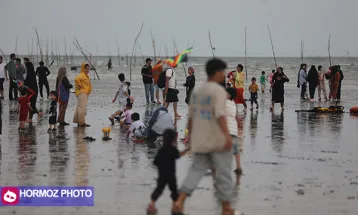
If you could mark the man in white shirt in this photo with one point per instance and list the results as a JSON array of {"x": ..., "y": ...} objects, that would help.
[
  {"x": 171, "y": 91},
  {"x": 3, "y": 76}
]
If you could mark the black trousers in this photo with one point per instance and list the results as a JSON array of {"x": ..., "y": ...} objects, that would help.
[
  {"x": 162, "y": 181},
  {"x": 303, "y": 90},
  {"x": 41, "y": 84},
  {"x": 312, "y": 89},
  {"x": 12, "y": 89},
  {"x": 339, "y": 90},
  {"x": 33, "y": 106}
]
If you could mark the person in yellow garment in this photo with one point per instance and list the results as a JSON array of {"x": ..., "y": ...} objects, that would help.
[
  {"x": 83, "y": 89},
  {"x": 239, "y": 85}
]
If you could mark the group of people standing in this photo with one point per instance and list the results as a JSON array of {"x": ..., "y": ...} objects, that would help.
[
  {"x": 22, "y": 78},
  {"x": 164, "y": 80},
  {"x": 316, "y": 80}
]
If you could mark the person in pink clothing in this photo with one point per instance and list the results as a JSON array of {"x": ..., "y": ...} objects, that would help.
[
  {"x": 269, "y": 78},
  {"x": 127, "y": 115}
]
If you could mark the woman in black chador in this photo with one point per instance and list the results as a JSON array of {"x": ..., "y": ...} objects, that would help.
[{"x": 278, "y": 89}]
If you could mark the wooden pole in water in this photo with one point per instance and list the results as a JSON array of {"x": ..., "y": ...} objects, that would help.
[
  {"x": 246, "y": 52},
  {"x": 3, "y": 55},
  {"x": 78, "y": 46},
  {"x": 119, "y": 60},
  {"x": 329, "y": 50},
  {"x": 32, "y": 48},
  {"x": 211, "y": 45},
  {"x": 140, "y": 50},
  {"x": 38, "y": 42},
  {"x": 16, "y": 46},
  {"x": 153, "y": 45},
  {"x": 135, "y": 42},
  {"x": 273, "y": 50},
  {"x": 302, "y": 48}
]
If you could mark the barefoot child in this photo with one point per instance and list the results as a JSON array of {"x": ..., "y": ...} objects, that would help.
[
  {"x": 253, "y": 89},
  {"x": 263, "y": 81},
  {"x": 23, "y": 107},
  {"x": 137, "y": 128},
  {"x": 233, "y": 124},
  {"x": 127, "y": 115},
  {"x": 122, "y": 95},
  {"x": 166, "y": 162},
  {"x": 53, "y": 111}
]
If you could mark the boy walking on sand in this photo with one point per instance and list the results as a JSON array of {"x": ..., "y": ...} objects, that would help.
[{"x": 253, "y": 89}]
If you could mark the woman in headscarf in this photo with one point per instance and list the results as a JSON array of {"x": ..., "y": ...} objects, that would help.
[
  {"x": 278, "y": 90},
  {"x": 63, "y": 87},
  {"x": 83, "y": 89},
  {"x": 31, "y": 84},
  {"x": 334, "y": 79},
  {"x": 239, "y": 85},
  {"x": 312, "y": 79}
]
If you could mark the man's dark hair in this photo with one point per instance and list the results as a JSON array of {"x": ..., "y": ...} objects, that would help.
[
  {"x": 232, "y": 92},
  {"x": 18, "y": 60},
  {"x": 12, "y": 56},
  {"x": 41, "y": 63},
  {"x": 253, "y": 79},
  {"x": 26, "y": 59},
  {"x": 273, "y": 71},
  {"x": 121, "y": 77},
  {"x": 240, "y": 66},
  {"x": 135, "y": 116},
  {"x": 128, "y": 83},
  {"x": 169, "y": 136},
  {"x": 319, "y": 67},
  {"x": 0, "y": 56},
  {"x": 263, "y": 72},
  {"x": 214, "y": 65}
]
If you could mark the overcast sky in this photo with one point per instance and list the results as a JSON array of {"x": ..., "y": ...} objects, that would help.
[{"x": 96, "y": 22}]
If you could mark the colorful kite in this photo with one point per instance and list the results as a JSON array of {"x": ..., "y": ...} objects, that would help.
[{"x": 173, "y": 62}]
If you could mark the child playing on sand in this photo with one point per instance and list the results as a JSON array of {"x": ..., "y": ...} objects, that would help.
[
  {"x": 263, "y": 81},
  {"x": 166, "y": 162},
  {"x": 121, "y": 95},
  {"x": 127, "y": 115},
  {"x": 253, "y": 89},
  {"x": 233, "y": 123},
  {"x": 53, "y": 112},
  {"x": 137, "y": 128},
  {"x": 23, "y": 107}
]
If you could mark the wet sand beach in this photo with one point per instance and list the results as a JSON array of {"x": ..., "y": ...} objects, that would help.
[{"x": 293, "y": 163}]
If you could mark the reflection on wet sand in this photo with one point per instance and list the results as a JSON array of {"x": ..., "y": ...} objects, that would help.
[
  {"x": 27, "y": 154},
  {"x": 253, "y": 126},
  {"x": 277, "y": 131},
  {"x": 59, "y": 156},
  {"x": 81, "y": 158}
]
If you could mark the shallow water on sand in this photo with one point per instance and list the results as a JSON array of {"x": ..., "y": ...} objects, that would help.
[{"x": 294, "y": 163}]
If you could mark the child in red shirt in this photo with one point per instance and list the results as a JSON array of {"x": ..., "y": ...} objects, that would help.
[{"x": 24, "y": 106}]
